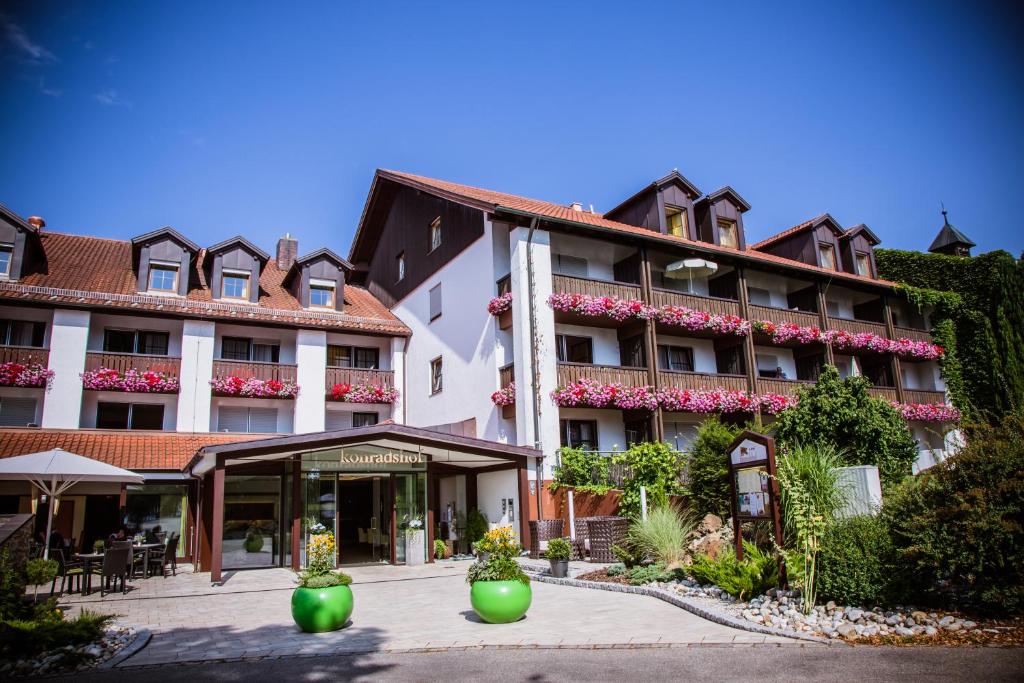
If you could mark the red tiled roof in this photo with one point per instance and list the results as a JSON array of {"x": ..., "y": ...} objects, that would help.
[
  {"x": 778, "y": 237},
  {"x": 128, "y": 449},
  {"x": 86, "y": 270},
  {"x": 491, "y": 200}
]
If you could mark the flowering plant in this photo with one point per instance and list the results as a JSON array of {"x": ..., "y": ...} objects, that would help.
[
  {"x": 14, "y": 374},
  {"x": 506, "y": 396},
  {"x": 500, "y": 304},
  {"x": 254, "y": 388},
  {"x": 773, "y": 404},
  {"x": 593, "y": 394},
  {"x": 134, "y": 381},
  {"x": 363, "y": 393},
  {"x": 925, "y": 412},
  {"x": 841, "y": 339},
  {"x": 498, "y": 541},
  {"x": 781, "y": 333},
  {"x": 607, "y": 306},
  {"x": 697, "y": 321},
  {"x": 708, "y": 401},
  {"x": 916, "y": 349}
]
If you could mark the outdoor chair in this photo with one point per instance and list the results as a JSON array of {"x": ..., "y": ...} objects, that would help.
[
  {"x": 116, "y": 565},
  {"x": 159, "y": 559},
  {"x": 542, "y": 531},
  {"x": 67, "y": 571},
  {"x": 605, "y": 532}
]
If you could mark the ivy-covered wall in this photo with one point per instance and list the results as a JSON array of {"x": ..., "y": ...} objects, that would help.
[{"x": 978, "y": 317}]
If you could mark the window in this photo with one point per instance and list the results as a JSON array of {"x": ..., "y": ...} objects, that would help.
[
  {"x": 728, "y": 236},
  {"x": 631, "y": 352},
  {"x": 574, "y": 349},
  {"x": 364, "y": 419},
  {"x": 235, "y": 348},
  {"x": 136, "y": 341},
  {"x": 569, "y": 265},
  {"x": 129, "y": 416},
  {"x": 579, "y": 434},
  {"x": 436, "y": 383},
  {"x": 163, "y": 278},
  {"x": 828, "y": 256},
  {"x": 234, "y": 285},
  {"x": 247, "y": 420},
  {"x": 6, "y": 257},
  {"x": 240, "y": 348},
  {"x": 435, "y": 302},
  {"x": 339, "y": 356},
  {"x": 266, "y": 352},
  {"x": 637, "y": 431},
  {"x": 367, "y": 358},
  {"x": 679, "y": 358},
  {"x": 863, "y": 264},
  {"x": 400, "y": 267},
  {"x": 759, "y": 297},
  {"x": 16, "y": 411},
  {"x": 435, "y": 234},
  {"x": 768, "y": 366},
  {"x": 321, "y": 294},
  {"x": 832, "y": 308},
  {"x": 676, "y": 221},
  {"x": 352, "y": 357},
  {"x": 22, "y": 333}
]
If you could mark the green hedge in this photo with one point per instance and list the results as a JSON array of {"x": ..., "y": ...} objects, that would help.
[{"x": 857, "y": 563}]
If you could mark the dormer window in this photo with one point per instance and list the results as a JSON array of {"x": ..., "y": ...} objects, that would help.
[
  {"x": 163, "y": 277},
  {"x": 828, "y": 256},
  {"x": 863, "y": 264},
  {"x": 676, "y": 221},
  {"x": 727, "y": 234},
  {"x": 321, "y": 294},
  {"x": 6, "y": 258},
  {"x": 435, "y": 234},
  {"x": 235, "y": 285}
]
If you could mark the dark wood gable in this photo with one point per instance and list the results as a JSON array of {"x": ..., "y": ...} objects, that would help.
[
  {"x": 721, "y": 205},
  {"x": 648, "y": 208},
  {"x": 323, "y": 265},
  {"x": 22, "y": 239},
  {"x": 165, "y": 245},
  {"x": 804, "y": 245},
  {"x": 238, "y": 255},
  {"x": 857, "y": 241}
]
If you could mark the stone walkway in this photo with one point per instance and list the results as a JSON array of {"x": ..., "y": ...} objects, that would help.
[{"x": 396, "y": 609}]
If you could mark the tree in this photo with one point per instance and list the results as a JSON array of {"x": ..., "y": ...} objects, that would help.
[
  {"x": 707, "y": 470},
  {"x": 865, "y": 430}
]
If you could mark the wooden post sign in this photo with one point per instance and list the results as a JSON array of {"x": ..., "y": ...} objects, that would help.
[{"x": 755, "y": 491}]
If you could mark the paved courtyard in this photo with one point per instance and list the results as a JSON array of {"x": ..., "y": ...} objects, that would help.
[{"x": 396, "y": 609}]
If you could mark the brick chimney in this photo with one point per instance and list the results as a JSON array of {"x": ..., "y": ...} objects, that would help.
[
  {"x": 287, "y": 251},
  {"x": 37, "y": 222}
]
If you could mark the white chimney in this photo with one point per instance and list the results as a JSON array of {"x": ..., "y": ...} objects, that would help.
[{"x": 576, "y": 206}]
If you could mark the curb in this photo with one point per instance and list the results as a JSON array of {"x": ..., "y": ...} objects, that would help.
[
  {"x": 142, "y": 638},
  {"x": 686, "y": 604}
]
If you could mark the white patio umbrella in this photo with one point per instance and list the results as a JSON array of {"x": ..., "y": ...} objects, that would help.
[{"x": 54, "y": 472}]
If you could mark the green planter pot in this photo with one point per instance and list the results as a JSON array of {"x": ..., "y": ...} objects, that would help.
[
  {"x": 500, "y": 602},
  {"x": 316, "y": 610}
]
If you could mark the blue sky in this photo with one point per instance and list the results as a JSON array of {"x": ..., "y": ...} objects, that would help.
[{"x": 258, "y": 118}]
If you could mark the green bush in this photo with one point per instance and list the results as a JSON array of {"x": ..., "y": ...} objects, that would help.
[
  {"x": 857, "y": 563},
  {"x": 707, "y": 471},
  {"x": 959, "y": 526},
  {"x": 497, "y": 568},
  {"x": 253, "y": 542},
  {"x": 440, "y": 549},
  {"x": 758, "y": 572},
  {"x": 582, "y": 469},
  {"x": 840, "y": 412},
  {"x": 12, "y": 588},
  {"x": 39, "y": 572},
  {"x": 652, "y": 465},
  {"x": 558, "y": 549},
  {"x": 650, "y": 573},
  {"x": 663, "y": 535},
  {"x": 617, "y": 569},
  {"x": 627, "y": 555},
  {"x": 476, "y": 525},
  {"x": 21, "y": 639},
  {"x": 328, "y": 580}
]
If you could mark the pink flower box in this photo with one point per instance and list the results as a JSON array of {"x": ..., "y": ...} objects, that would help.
[
  {"x": 500, "y": 304},
  {"x": 13, "y": 374},
  {"x": 505, "y": 397},
  {"x": 131, "y": 381},
  {"x": 701, "y": 321},
  {"x": 924, "y": 412},
  {"x": 363, "y": 393},
  {"x": 781, "y": 333},
  {"x": 602, "y": 306},
  {"x": 254, "y": 388}
]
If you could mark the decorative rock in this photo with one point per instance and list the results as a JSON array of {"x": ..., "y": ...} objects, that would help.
[
  {"x": 903, "y": 631},
  {"x": 955, "y": 626},
  {"x": 968, "y": 625},
  {"x": 847, "y": 630},
  {"x": 853, "y": 614},
  {"x": 930, "y": 630},
  {"x": 829, "y": 606}
]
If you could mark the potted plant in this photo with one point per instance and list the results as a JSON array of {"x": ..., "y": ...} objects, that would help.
[
  {"x": 558, "y": 553},
  {"x": 499, "y": 588},
  {"x": 441, "y": 551},
  {"x": 323, "y": 600},
  {"x": 415, "y": 544},
  {"x": 253, "y": 540}
]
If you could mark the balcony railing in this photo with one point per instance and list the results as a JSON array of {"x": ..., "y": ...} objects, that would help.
[
  {"x": 912, "y": 333},
  {"x": 708, "y": 304},
  {"x": 140, "y": 362},
  {"x": 784, "y": 387},
  {"x": 282, "y": 372},
  {"x": 930, "y": 396},
  {"x": 24, "y": 355},
  {"x": 605, "y": 374},
  {"x": 784, "y": 315},
  {"x": 506, "y": 374},
  {"x": 570, "y": 284},
  {"x": 888, "y": 393},
  {"x": 356, "y": 376},
  {"x": 700, "y": 381},
  {"x": 857, "y": 326}
]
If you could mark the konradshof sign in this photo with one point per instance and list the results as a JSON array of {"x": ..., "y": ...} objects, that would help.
[{"x": 755, "y": 491}]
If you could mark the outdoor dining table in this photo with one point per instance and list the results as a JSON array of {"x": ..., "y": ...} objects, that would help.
[
  {"x": 145, "y": 548},
  {"x": 87, "y": 561}
]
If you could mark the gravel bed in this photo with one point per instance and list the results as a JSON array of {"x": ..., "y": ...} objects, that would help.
[{"x": 69, "y": 658}]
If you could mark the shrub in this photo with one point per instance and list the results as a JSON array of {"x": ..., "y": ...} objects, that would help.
[
  {"x": 253, "y": 541},
  {"x": 707, "y": 471},
  {"x": 582, "y": 469},
  {"x": 959, "y": 526},
  {"x": 755, "y": 574},
  {"x": 617, "y": 569},
  {"x": 650, "y": 573},
  {"x": 627, "y": 555},
  {"x": 558, "y": 549},
  {"x": 22, "y": 639},
  {"x": 476, "y": 525},
  {"x": 497, "y": 568},
  {"x": 663, "y": 535},
  {"x": 840, "y": 412},
  {"x": 856, "y": 563},
  {"x": 40, "y": 571},
  {"x": 320, "y": 556},
  {"x": 652, "y": 465},
  {"x": 440, "y": 549},
  {"x": 12, "y": 588}
]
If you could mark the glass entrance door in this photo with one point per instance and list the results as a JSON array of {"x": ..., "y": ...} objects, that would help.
[
  {"x": 410, "y": 507},
  {"x": 251, "y": 513}
]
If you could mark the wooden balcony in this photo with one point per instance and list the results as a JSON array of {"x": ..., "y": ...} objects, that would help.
[
  {"x": 784, "y": 387},
  {"x": 506, "y": 374},
  {"x": 708, "y": 304},
  {"x": 282, "y": 372},
  {"x": 912, "y": 333},
  {"x": 857, "y": 326},
  {"x": 569, "y": 284},
  {"x": 354, "y": 376},
  {"x": 888, "y": 393},
  {"x": 24, "y": 355},
  {"x": 784, "y": 315},
  {"x": 605, "y": 374},
  {"x": 700, "y": 381},
  {"x": 122, "y": 362},
  {"x": 929, "y": 396}
]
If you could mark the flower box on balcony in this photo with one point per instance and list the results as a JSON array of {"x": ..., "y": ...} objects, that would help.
[
  {"x": 14, "y": 374},
  {"x": 363, "y": 393},
  {"x": 253, "y": 387},
  {"x": 601, "y": 306},
  {"x": 130, "y": 381}
]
